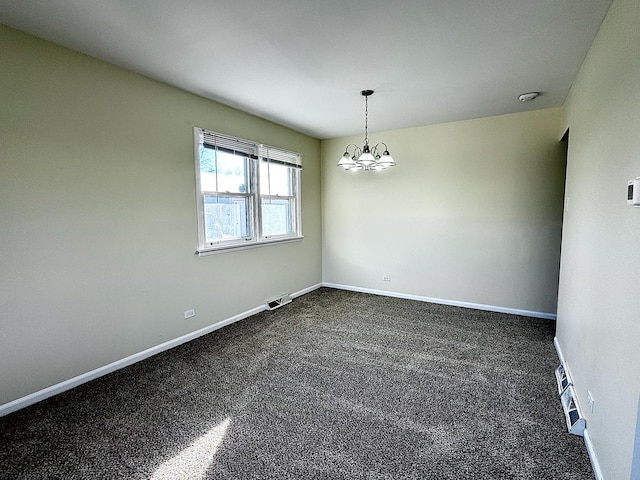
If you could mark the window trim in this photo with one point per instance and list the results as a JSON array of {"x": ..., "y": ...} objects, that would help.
[{"x": 255, "y": 154}]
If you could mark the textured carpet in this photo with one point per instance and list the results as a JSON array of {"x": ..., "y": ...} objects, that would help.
[{"x": 334, "y": 385}]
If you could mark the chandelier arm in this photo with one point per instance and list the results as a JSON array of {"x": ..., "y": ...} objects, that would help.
[
  {"x": 346, "y": 149},
  {"x": 374, "y": 150}
]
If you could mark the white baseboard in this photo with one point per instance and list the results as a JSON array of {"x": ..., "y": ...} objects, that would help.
[
  {"x": 592, "y": 455},
  {"x": 304, "y": 291},
  {"x": 556, "y": 344},
  {"x": 587, "y": 438},
  {"x": 635, "y": 463},
  {"x": 45, "y": 393},
  {"x": 455, "y": 303}
]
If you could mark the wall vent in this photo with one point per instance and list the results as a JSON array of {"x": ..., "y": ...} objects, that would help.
[
  {"x": 576, "y": 423},
  {"x": 278, "y": 301},
  {"x": 563, "y": 379}
]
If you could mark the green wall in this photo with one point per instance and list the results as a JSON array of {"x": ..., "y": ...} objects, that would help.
[{"x": 97, "y": 203}]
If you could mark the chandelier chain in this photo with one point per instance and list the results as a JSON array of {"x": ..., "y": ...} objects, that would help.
[{"x": 366, "y": 120}]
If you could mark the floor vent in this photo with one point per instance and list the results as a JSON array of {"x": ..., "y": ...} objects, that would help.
[
  {"x": 576, "y": 423},
  {"x": 562, "y": 379},
  {"x": 278, "y": 302}
]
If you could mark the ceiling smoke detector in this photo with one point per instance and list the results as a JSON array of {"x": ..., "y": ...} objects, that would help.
[{"x": 527, "y": 97}]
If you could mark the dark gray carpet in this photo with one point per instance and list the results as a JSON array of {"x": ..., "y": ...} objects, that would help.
[{"x": 334, "y": 385}]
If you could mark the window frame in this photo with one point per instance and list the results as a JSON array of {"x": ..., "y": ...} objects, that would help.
[{"x": 254, "y": 154}]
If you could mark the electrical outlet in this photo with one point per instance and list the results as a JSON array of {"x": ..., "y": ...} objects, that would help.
[
  {"x": 189, "y": 313},
  {"x": 591, "y": 402},
  {"x": 386, "y": 278}
]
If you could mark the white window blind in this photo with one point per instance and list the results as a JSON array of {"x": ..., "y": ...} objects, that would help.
[{"x": 218, "y": 141}]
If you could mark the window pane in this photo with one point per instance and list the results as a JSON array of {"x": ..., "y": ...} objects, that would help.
[
  {"x": 226, "y": 218},
  {"x": 275, "y": 179},
  {"x": 276, "y": 217},
  {"x": 232, "y": 172}
]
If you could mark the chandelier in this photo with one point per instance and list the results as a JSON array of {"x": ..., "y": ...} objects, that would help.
[{"x": 366, "y": 158}]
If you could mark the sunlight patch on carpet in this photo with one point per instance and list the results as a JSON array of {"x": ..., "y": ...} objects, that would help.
[{"x": 192, "y": 462}]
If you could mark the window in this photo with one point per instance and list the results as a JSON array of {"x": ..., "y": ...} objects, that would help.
[{"x": 247, "y": 194}]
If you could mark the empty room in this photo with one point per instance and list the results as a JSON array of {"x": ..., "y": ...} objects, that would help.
[{"x": 368, "y": 240}]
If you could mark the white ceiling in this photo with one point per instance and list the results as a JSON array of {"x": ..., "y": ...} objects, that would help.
[{"x": 302, "y": 63}]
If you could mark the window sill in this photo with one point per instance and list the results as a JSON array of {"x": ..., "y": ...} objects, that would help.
[{"x": 232, "y": 248}]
